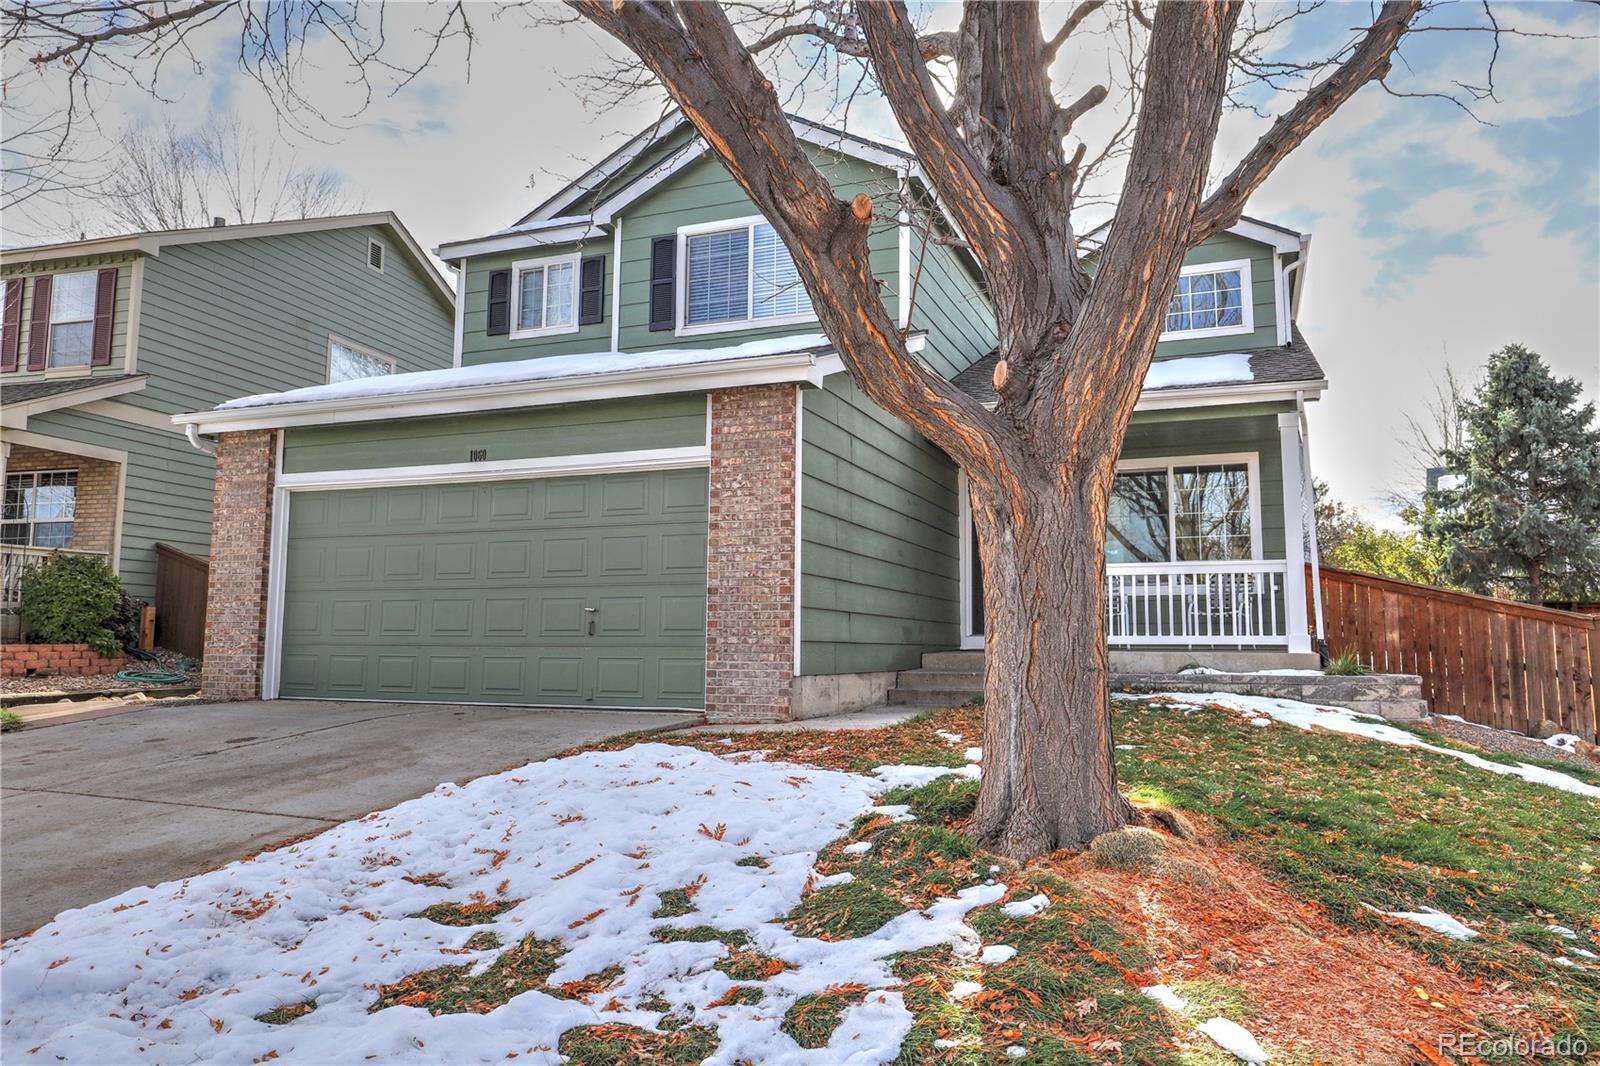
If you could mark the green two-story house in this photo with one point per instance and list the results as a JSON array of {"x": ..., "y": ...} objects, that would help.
[
  {"x": 647, "y": 481},
  {"x": 103, "y": 341}
]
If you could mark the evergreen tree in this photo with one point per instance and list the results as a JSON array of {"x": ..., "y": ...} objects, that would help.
[{"x": 1522, "y": 517}]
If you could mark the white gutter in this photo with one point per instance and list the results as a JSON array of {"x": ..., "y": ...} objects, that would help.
[{"x": 193, "y": 433}]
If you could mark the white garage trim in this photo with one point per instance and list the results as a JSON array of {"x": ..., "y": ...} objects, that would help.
[{"x": 286, "y": 485}]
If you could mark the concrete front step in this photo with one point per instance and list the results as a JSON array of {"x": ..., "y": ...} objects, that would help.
[
  {"x": 961, "y": 681},
  {"x": 932, "y": 697},
  {"x": 966, "y": 662}
]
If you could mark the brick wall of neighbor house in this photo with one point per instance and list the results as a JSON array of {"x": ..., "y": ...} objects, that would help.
[
  {"x": 241, "y": 534},
  {"x": 94, "y": 528},
  {"x": 750, "y": 558}
]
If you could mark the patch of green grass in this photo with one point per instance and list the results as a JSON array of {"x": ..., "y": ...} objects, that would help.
[
  {"x": 456, "y": 990},
  {"x": 757, "y": 861},
  {"x": 458, "y": 914},
  {"x": 944, "y": 799},
  {"x": 608, "y": 1045},
  {"x": 482, "y": 941},
  {"x": 10, "y": 722},
  {"x": 1571, "y": 768},
  {"x": 287, "y": 1013},
  {"x": 744, "y": 996},
  {"x": 811, "y": 1020},
  {"x": 701, "y": 934},
  {"x": 1208, "y": 997},
  {"x": 1348, "y": 822},
  {"x": 675, "y": 903},
  {"x": 843, "y": 912}
]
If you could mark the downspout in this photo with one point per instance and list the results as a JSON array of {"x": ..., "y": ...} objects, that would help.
[
  {"x": 192, "y": 431},
  {"x": 1307, "y": 487}
]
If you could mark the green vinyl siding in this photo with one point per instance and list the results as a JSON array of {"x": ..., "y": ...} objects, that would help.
[
  {"x": 648, "y": 422},
  {"x": 1220, "y": 431},
  {"x": 951, "y": 305},
  {"x": 167, "y": 495},
  {"x": 119, "y": 322},
  {"x": 1221, "y": 248},
  {"x": 879, "y": 555},
  {"x": 704, "y": 192},
  {"x": 583, "y": 591},
  {"x": 224, "y": 319}
]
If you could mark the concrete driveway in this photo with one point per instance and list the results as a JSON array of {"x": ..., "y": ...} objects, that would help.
[{"x": 92, "y": 808}]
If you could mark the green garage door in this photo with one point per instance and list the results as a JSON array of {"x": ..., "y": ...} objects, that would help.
[{"x": 586, "y": 591}]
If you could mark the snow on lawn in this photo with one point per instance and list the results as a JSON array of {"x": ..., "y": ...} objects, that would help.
[
  {"x": 582, "y": 848},
  {"x": 1340, "y": 720}
]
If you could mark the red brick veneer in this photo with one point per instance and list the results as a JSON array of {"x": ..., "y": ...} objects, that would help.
[
  {"x": 16, "y": 660},
  {"x": 241, "y": 535},
  {"x": 750, "y": 563}
]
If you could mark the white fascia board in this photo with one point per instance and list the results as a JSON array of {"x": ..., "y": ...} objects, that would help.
[
  {"x": 1279, "y": 240},
  {"x": 567, "y": 231},
  {"x": 17, "y": 413},
  {"x": 1219, "y": 395},
  {"x": 791, "y": 367},
  {"x": 506, "y": 469},
  {"x": 600, "y": 172}
]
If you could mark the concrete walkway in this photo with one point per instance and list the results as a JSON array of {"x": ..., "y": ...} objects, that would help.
[{"x": 89, "y": 809}]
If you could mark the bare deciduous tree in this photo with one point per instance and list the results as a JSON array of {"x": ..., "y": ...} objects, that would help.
[
  {"x": 162, "y": 178},
  {"x": 991, "y": 110}
]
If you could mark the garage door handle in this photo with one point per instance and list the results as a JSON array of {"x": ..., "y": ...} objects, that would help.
[{"x": 590, "y": 611}]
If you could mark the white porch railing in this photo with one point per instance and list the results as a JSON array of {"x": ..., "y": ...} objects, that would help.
[
  {"x": 14, "y": 560},
  {"x": 1211, "y": 604}
]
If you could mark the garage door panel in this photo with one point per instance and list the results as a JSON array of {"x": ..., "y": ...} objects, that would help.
[{"x": 586, "y": 591}]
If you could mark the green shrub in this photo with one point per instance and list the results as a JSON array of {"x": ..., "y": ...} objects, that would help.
[
  {"x": 72, "y": 599},
  {"x": 1346, "y": 664}
]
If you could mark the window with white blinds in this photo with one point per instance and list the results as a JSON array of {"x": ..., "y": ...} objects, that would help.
[
  {"x": 544, "y": 295},
  {"x": 738, "y": 274}
]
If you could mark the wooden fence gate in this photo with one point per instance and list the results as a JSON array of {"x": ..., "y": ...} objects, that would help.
[
  {"x": 1495, "y": 662},
  {"x": 181, "y": 581}
]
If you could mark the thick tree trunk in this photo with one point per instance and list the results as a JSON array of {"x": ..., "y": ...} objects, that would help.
[{"x": 1048, "y": 776}]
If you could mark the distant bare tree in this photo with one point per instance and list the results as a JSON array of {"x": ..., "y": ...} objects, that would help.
[
  {"x": 162, "y": 178},
  {"x": 1439, "y": 426}
]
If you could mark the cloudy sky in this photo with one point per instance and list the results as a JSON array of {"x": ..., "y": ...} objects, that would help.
[{"x": 1439, "y": 236}]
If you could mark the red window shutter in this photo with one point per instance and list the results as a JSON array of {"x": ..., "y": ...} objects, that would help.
[
  {"x": 11, "y": 338},
  {"x": 39, "y": 324},
  {"x": 105, "y": 311}
]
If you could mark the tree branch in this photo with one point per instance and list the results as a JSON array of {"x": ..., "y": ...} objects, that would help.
[
  {"x": 1369, "y": 61},
  {"x": 1084, "y": 9},
  {"x": 83, "y": 41}
]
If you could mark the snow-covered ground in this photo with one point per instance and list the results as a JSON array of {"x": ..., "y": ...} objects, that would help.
[
  {"x": 1263, "y": 710},
  {"x": 178, "y": 973}
]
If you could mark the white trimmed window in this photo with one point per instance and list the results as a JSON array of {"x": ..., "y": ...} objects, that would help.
[
  {"x": 39, "y": 508},
  {"x": 72, "y": 319},
  {"x": 544, "y": 296},
  {"x": 347, "y": 362},
  {"x": 1189, "y": 510},
  {"x": 736, "y": 274},
  {"x": 1211, "y": 300}
]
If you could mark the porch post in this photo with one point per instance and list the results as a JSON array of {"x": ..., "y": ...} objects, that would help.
[{"x": 1294, "y": 536}]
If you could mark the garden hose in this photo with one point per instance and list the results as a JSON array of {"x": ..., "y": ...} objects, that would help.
[{"x": 152, "y": 677}]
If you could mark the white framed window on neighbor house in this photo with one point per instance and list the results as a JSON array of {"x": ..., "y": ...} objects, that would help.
[
  {"x": 348, "y": 361},
  {"x": 1186, "y": 509},
  {"x": 544, "y": 296},
  {"x": 736, "y": 274},
  {"x": 1211, "y": 300},
  {"x": 39, "y": 510},
  {"x": 72, "y": 319}
]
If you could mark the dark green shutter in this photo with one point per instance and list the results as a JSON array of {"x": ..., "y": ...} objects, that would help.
[
  {"x": 592, "y": 290},
  {"x": 663, "y": 299},
  {"x": 499, "y": 303}
]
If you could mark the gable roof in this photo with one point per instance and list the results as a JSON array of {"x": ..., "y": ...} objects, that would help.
[
  {"x": 1280, "y": 238},
  {"x": 151, "y": 242},
  {"x": 580, "y": 209}
]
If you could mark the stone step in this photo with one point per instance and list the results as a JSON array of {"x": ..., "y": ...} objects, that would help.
[
  {"x": 930, "y": 697},
  {"x": 963, "y": 661},
  {"x": 942, "y": 679}
]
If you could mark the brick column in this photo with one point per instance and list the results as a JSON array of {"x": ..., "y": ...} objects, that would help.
[
  {"x": 241, "y": 536},
  {"x": 750, "y": 562}
]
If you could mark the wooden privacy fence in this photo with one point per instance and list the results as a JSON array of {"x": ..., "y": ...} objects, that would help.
[
  {"x": 181, "y": 581},
  {"x": 1490, "y": 661}
]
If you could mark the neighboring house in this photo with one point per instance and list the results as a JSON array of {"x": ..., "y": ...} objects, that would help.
[
  {"x": 648, "y": 481},
  {"x": 103, "y": 341}
]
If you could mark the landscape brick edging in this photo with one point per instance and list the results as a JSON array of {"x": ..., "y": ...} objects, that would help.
[
  {"x": 241, "y": 536},
  {"x": 16, "y": 660},
  {"x": 750, "y": 561}
]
